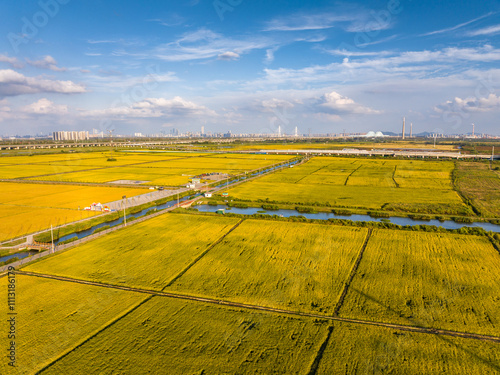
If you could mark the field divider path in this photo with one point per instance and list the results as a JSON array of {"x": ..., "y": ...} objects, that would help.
[
  {"x": 94, "y": 334},
  {"x": 185, "y": 297},
  {"x": 394, "y": 176},
  {"x": 319, "y": 355},
  {"x": 310, "y": 174},
  {"x": 210, "y": 247},
  {"x": 354, "y": 171},
  {"x": 354, "y": 269}
]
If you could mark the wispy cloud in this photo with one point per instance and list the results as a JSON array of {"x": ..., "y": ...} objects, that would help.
[
  {"x": 48, "y": 62},
  {"x": 459, "y": 26},
  {"x": 300, "y": 22},
  {"x": 491, "y": 30},
  {"x": 102, "y": 41},
  {"x": 206, "y": 44},
  {"x": 344, "y": 52},
  {"x": 172, "y": 21},
  {"x": 382, "y": 65},
  {"x": 352, "y": 19}
]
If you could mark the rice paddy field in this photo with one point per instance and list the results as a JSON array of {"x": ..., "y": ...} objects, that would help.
[
  {"x": 177, "y": 337},
  {"x": 481, "y": 185},
  {"x": 27, "y": 208},
  {"x": 394, "y": 185},
  {"x": 443, "y": 281},
  {"x": 297, "y": 266},
  {"x": 417, "y": 279},
  {"x": 192, "y": 293},
  {"x": 355, "y": 349},
  {"x": 155, "y": 252},
  {"x": 158, "y": 168},
  {"x": 54, "y": 316}
]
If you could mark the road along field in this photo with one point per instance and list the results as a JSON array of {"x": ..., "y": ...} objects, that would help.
[
  {"x": 54, "y": 316},
  {"x": 159, "y": 168},
  {"x": 445, "y": 281},
  {"x": 297, "y": 266},
  {"x": 397, "y": 185},
  {"x": 26, "y": 208},
  {"x": 480, "y": 185},
  {"x": 147, "y": 255},
  {"x": 175, "y": 337},
  {"x": 359, "y": 349}
]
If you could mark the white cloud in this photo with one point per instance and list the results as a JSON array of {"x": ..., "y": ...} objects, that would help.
[
  {"x": 340, "y": 104},
  {"x": 13, "y": 61},
  {"x": 48, "y": 62},
  {"x": 157, "y": 108},
  {"x": 45, "y": 107},
  {"x": 228, "y": 56},
  {"x": 471, "y": 104},
  {"x": 13, "y": 83}
]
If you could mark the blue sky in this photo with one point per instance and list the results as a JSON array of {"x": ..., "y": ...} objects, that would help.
[{"x": 249, "y": 66}]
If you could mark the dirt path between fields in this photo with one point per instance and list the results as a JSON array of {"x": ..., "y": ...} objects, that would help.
[
  {"x": 400, "y": 327},
  {"x": 352, "y": 274}
]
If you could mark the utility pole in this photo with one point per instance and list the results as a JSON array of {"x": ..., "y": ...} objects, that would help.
[
  {"x": 52, "y": 237},
  {"x": 124, "y": 206}
]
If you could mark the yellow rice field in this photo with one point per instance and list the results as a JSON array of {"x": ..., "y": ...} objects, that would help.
[
  {"x": 26, "y": 208},
  {"x": 54, "y": 316}
]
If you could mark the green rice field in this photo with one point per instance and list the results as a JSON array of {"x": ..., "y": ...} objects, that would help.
[{"x": 393, "y": 185}]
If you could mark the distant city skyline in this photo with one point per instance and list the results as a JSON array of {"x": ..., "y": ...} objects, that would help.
[{"x": 253, "y": 67}]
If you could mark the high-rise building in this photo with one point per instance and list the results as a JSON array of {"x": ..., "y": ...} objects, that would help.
[{"x": 70, "y": 136}]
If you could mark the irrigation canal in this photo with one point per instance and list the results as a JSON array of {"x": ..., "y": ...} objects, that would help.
[{"x": 448, "y": 224}]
